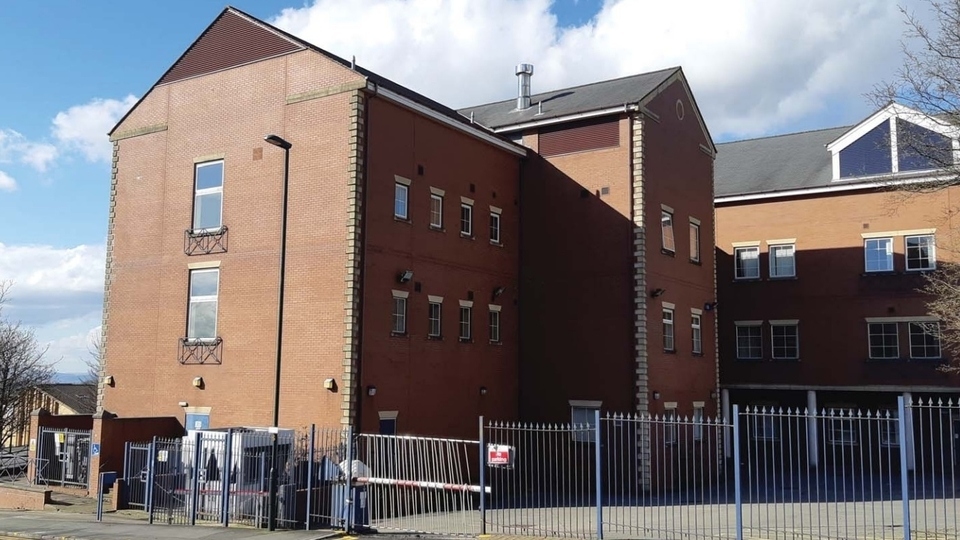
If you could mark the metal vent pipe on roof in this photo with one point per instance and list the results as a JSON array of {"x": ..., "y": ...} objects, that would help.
[{"x": 524, "y": 74}]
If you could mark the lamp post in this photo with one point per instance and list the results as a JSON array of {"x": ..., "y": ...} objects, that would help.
[{"x": 277, "y": 141}]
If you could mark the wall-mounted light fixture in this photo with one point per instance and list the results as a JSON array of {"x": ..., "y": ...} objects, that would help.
[
  {"x": 330, "y": 384},
  {"x": 710, "y": 306},
  {"x": 183, "y": 404},
  {"x": 656, "y": 395},
  {"x": 483, "y": 390},
  {"x": 108, "y": 380},
  {"x": 657, "y": 292},
  {"x": 498, "y": 291},
  {"x": 371, "y": 390},
  {"x": 405, "y": 276},
  {"x": 198, "y": 382},
  {"x": 713, "y": 393}
]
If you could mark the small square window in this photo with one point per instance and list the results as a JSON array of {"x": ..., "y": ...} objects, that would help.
[
  {"x": 436, "y": 211},
  {"x": 749, "y": 342},
  {"x": 925, "y": 340},
  {"x": 668, "y": 335},
  {"x": 878, "y": 254},
  {"x": 666, "y": 231},
  {"x": 921, "y": 252},
  {"x": 583, "y": 422},
  {"x": 785, "y": 341},
  {"x": 400, "y": 199},
  {"x": 747, "y": 262},
  {"x": 841, "y": 428},
  {"x": 884, "y": 341},
  {"x": 783, "y": 261}
]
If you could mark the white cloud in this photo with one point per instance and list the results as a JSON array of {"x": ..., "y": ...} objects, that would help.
[
  {"x": 754, "y": 65},
  {"x": 84, "y": 127},
  {"x": 15, "y": 147},
  {"x": 7, "y": 183}
]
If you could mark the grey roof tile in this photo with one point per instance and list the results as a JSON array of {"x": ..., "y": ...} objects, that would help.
[
  {"x": 778, "y": 163},
  {"x": 82, "y": 398},
  {"x": 569, "y": 101}
]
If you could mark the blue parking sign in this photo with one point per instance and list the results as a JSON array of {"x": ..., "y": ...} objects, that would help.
[{"x": 95, "y": 449}]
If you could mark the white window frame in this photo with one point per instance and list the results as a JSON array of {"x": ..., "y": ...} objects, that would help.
[
  {"x": 202, "y": 299},
  {"x": 587, "y": 417},
  {"x": 750, "y": 324},
  {"x": 866, "y": 251},
  {"x": 841, "y": 421},
  {"x": 669, "y": 329},
  {"x": 401, "y": 194},
  {"x": 466, "y": 324},
  {"x": 932, "y": 258},
  {"x": 736, "y": 258},
  {"x": 773, "y": 339},
  {"x": 398, "y": 318},
  {"x": 198, "y": 193},
  {"x": 670, "y": 424},
  {"x": 698, "y": 411},
  {"x": 434, "y": 301},
  {"x": 774, "y": 269},
  {"x": 438, "y": 199},
  {"x": 495, "y": 223},
  {"x": 666, "y": 223},
  {"x": 696, "y": 333},
  {"x": 494, "y": 323},
  {"x": 890, "y": 429},
  {"x": 870, "y": 334},
  {"x": 468, "y": 223},
  {"x": 694, "y": 240},
  {"x": 922, "y": 333}
]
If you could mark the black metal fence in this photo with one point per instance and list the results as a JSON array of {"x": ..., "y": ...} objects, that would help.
[{"x": 63, "y": 457}]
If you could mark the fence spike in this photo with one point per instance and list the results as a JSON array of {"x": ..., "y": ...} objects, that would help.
[{"x": 939, "y": 402}]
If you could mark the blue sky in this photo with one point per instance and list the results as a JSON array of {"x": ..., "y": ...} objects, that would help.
[{"x": 72, "y": 68}]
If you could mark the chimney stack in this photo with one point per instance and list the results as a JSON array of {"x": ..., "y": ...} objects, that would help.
[{"x": 524, "y": 73}]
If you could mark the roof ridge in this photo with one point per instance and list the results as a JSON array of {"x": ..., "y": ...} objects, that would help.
[
  {"x": 784, "y": 135},
  {"x": 673, "y": 68}
]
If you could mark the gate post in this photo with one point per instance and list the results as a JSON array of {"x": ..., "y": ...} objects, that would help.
[
  {"x": 126, "y": 473},
  {"x": 313, "y": 441},
  {"x": 738, "y": 501},
  {"x": 151, "y": 477},
  {"x": 348, "y": 502},
  {"x": 195, "y": 481},
  {"x": 598, "y": 472},
  {"x": 904, "y": 483},
  {"x": 483, "y": 481},
  {"x": 225, "y": 479}
]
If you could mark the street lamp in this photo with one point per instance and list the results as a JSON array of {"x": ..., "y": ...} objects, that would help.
[{"x": 277, "y": 141}]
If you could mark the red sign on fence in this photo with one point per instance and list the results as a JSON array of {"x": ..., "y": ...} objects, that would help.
[{"x": 499, "y": 455}]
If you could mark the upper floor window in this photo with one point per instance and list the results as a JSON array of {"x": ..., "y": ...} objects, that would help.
[
  {"x": 466, "y": 320},
  {"x": 749, "y": 341},
  {"x": 583, "y": 419},
  {"x": 694, "y": 240},
  {"x": 747, "y": 262},
  {"x": 883, "y": 341},
  {"x": 204, "y": 294},
  {"x": 208, "y": 196},
  {"x": 785, "y": 340},
  {"x": 783, "y": 261},
  {"x": 436, "y": 210},
  {"x": 878, "y": 254},
  {"x": 399, "y": 312},
  {"x": 670, "y": 423},
  {"x": 696, "y": 332},
  {"x": 666, "y": 231},
  {"x": 920, "y": 252},
  {"x": 698, "y": 421},
  {"x": 466, "y": 217},
  {"x": 494, "y": 225},
  {"x": 924, "y": 340},
  {"x": 434, "y": 312},
  {"x": 668, "y": 335},
  {"x": 401, "y": 199},
  {"x": 494, "y": 323}
]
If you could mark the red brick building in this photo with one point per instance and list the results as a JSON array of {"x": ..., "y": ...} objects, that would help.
[
  {"x": 435, "y": 270},
  {"x": 820, "y": 260}
]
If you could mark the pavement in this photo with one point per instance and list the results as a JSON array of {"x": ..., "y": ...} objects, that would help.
[{"x": 75, "y": 526}]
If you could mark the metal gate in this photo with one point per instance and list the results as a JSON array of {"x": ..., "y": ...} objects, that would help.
[
  {"x": 135, "y": 470},
  {"x": 63, "y": 457}
]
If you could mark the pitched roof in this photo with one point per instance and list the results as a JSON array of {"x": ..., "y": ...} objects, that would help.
[
  {"x": 571, "y": 101},
  {"x": 778, "y": 163},
  {"x": 82, "y": 398}
]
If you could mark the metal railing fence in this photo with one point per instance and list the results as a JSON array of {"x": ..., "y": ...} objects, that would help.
[{"x": 62, "y": 457}]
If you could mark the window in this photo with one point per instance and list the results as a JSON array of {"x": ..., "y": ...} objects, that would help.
[
  {"x": 747, "y": 262},
  {"x": 494, "y": 227},
  {"x": 666, "y": 231},
  {"x": 466, "y": 219},
  {"x": 202, "y": 315},
  {"x": 697, "y": 422},
  {"x": 841, "y": 428},
  {"x": 764, "y": 425},
  {"x": 920, "y": 252},
  {"x": 878, "y": 254},
  {"x": 208, "y": 196},
  {"x": 670, "y": 425},
  {"x": 466, "y": 314},
  {"x": 583, "y": 420},
  {"x": 696, "y": 333},
  {"x": 399, "y": 312},
  {"x": 889, "y": 428},
  {"x": 388, "y": 422},
  {"x": 785, "y": 341},
  {"x": 783, "y": 261},
  {"x": 884, "y": 341},
  {"x": 434, "y": 311},
  {"x": 436, "y": 211},
  {"x": 400, "y": 199},
  {"x": 749, "y": 341},
  {"x": 924, "y": 340},
  {"x": 694, "y": 241},
  {"x": 494, "y": 324},
  {"x": 668, "y": 344}
]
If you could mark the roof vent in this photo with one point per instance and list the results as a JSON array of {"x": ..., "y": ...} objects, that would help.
[{"x": 524, "y": 74}]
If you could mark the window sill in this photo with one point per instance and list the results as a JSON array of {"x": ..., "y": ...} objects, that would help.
[
  {"x": 467, "y": 236},
  {"x": 782, "y": 278},
  {"x": 399, "y": 219},
  {"x": 696, "y": 262},
  {"x": 496, "y": 244},
  {"x": 884, "y": 273},
  {"x": 668, "y": 252},
  {"x": 497, "y": 342},
  {"x": 782, "y": 360},
  {"x": 749, "y": 359},
  {"x": 669, "y": 351},
  {"x": 746, "y": 280},
  {"x": 437, "y": 229},
  {"x": 466, "y": 340},
  {"x": 198, "y": 233},
  {"x": 434, "y": 338},
  {"x": 697, "y": 354},
  {"x": 920, "y": 271},
  {"x": 399, "y": 334}
]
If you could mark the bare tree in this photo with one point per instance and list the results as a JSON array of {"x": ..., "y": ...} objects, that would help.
[
  {"x": 94, "y": 360},
  {"x": 22, "y": 369}
]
